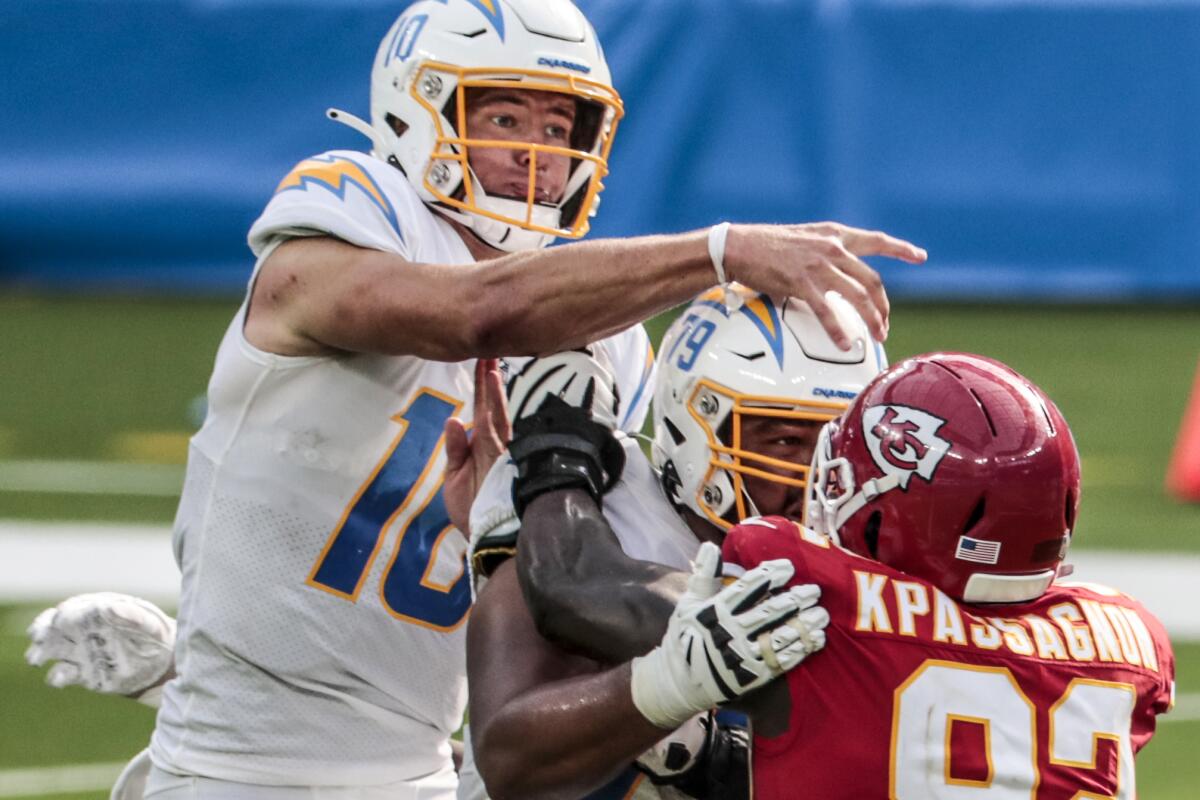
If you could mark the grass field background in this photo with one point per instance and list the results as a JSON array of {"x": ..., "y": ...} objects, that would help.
[{"x": 117, "y": 380}]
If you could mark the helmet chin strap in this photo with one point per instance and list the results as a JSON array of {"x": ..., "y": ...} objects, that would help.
[
  {"x": 750, "y": 507},
  {"x": 870, "y": 490},
  {"x": 834, "y": 513}
]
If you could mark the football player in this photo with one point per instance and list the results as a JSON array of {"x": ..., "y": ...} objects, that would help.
[
  {"x": 321, "y": 638},
  {"x": 956, "y": 665},
  {"x": 744, "y": 385}
]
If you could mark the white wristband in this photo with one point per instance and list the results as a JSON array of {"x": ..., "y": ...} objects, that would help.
[
  {"x": 655, "y": 694},
  {"x": 716, "y": 248}
]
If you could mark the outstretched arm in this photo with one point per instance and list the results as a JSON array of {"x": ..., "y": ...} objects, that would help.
[{"x": 318, "y": 294}]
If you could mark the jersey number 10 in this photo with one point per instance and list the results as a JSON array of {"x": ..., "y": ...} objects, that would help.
[{"x": 407, "y": 589}]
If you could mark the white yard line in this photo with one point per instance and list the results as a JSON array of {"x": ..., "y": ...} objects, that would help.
[
  {"x": 50, "y": 560},
  {"x": 91, "y": 477},
  {"x": 1187, "y": 709},
  {"x": 62, "y": 779},
  {"x": 47, "y": 561}
]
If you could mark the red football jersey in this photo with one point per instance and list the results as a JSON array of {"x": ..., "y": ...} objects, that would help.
[{"x": 916, "y": 696}]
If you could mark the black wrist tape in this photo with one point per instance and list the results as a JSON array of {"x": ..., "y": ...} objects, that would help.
[{"x": 561, "y": 447}]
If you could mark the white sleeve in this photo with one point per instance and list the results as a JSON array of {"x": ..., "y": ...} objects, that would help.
[
  {"x": 345, "y": 194},
  {"x": 632, "y": 358}
]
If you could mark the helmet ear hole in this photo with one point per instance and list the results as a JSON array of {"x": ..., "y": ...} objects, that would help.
[
  {"x": 1069, "y": 512},
  {"x": 673, "y": 429},
  {"x": 672, "y": 485},
  {"x": 398, "y": 126},
  {"x": 976, "y": 514},
  {"x": 871, "y": 534}
]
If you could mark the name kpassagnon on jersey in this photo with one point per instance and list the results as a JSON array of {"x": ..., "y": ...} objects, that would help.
[{"x": 1080, "y": 630}]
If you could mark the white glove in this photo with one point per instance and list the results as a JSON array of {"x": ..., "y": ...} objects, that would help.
[
  {"x": 581, "y": 378},
  {"x": 107, "y": 642},
  {"x": 721, "y": 644}
]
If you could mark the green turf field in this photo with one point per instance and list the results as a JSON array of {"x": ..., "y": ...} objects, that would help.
[
  {"x": 87, "y": 378},
  {"x": 103, "y": 380},
  {"x": 43, "y": 727}
]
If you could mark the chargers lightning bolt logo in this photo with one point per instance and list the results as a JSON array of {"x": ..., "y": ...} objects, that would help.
[
  {"x": 336, "y": 174},
  {"x": 492, "y": 10},
  {"x": 765, "y": 316}
]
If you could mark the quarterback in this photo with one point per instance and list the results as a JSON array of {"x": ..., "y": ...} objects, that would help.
[
  {"x": 324, "y": 595},
  {"x": 733, "y": 436}
]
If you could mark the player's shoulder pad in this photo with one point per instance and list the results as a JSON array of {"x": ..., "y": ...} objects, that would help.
[
  {"x": 345, "y": 193},
  {"x": 758, "y": 539},
  {"x": 1103, "y": 593},
  {"x": 631, "y": 355},
  {"x": 766, "y": 522},
  {"x": 1092, "y": 587}
]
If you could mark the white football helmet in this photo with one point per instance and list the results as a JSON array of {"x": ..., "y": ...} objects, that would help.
[
  {"x": 434, "y": 53},
  {"x": 735, "y": 354}
]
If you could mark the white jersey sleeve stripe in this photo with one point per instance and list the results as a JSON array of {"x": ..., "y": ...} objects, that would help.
[{"x": 635, "y": 409}]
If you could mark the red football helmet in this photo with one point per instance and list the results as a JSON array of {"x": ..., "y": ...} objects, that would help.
[{"x": 953, "y": 468}]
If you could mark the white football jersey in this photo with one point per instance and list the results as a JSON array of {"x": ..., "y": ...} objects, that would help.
[
  {"x": 321, "y": 624},
  {"x": 644, "y": 520}
]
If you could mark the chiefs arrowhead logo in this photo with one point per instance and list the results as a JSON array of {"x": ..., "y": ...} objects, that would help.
[{"x": 903, "y": 441}]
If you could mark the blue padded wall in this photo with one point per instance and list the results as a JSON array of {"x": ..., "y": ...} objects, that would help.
[{"x": 1043, "y": 149}]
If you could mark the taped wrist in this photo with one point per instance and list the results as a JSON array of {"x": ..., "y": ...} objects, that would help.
[
  {"x": 560, "y": 446},
  {"x": 656, "y": 694}
]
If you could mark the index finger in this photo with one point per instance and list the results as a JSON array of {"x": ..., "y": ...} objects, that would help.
[
  {"x": 497, "y": 406},
  {"x": 877, "y": 243},
  {"x": 483, "y": 391}
]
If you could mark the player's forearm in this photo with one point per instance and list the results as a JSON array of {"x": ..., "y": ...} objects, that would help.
[
  {"x": 363, "y": 300},
  {"x": 584, "y": 592},
  {"x": 564, "y": 739},
  {"x": 563, "y": 297}
]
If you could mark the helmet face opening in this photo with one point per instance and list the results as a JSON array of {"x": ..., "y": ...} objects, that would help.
[
  {"x": 745, "y": 384},
  {"x": 487, "y": 179},
  {"x": 524, "y": 202},
  {"x": 743, "y": 461}
]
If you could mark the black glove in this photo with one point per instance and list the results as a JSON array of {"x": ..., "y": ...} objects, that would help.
[
  {"x": 560, "y": 446},
  {"x": 720, "y": 770}
]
